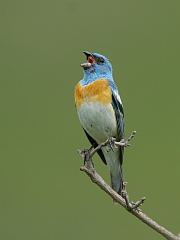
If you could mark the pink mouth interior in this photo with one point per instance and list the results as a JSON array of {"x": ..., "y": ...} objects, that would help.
[{"x": 90, "y": 59}]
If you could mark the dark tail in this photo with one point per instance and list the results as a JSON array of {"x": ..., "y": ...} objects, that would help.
[
  {"x": 113, "y": 159},
  {"x": 117, "y": 180}
]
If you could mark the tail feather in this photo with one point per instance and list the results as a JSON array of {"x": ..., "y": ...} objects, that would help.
[
  {"x": 113, "y": 159},
  {"x": 117, "y": 180}
]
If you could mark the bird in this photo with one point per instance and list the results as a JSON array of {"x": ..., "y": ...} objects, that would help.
[{"x": 100, "y": 111}]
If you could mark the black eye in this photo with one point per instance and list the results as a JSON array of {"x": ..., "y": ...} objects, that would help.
[{"x": 99, "y": 60}]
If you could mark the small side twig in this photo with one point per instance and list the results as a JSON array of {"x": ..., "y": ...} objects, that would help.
[
  {"x": 124, "y": 142},
  {"x": 139, "y": 203}
]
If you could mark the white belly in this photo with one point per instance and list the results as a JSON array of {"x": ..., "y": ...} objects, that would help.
[{"x": 98, "y": 120}]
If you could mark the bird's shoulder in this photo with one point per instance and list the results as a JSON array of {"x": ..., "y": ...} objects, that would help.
[{"x": 115, "y": 95}]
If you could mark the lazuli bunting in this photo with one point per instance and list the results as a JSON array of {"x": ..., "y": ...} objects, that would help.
[{"x": 100, "y": 112}]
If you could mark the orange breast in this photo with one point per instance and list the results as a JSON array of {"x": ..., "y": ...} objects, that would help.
[{"x": 97, "y": 91}]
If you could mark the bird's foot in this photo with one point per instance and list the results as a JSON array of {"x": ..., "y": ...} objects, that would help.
[{"x": 111, "y": 141}]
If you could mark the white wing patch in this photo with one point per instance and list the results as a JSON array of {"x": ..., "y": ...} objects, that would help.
[{"x": 118, "y": 96}]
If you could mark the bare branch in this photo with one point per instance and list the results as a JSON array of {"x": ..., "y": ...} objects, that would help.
[{"x": 123, "y": 200}]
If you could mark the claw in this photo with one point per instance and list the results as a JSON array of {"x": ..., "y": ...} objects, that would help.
[{"x": 111, "y": 142}]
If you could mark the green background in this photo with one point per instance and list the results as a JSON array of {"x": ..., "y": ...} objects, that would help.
[{"x": 43, "y": 195}]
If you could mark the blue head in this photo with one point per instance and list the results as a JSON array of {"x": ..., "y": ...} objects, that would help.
[{"x": 97, "y": 66}]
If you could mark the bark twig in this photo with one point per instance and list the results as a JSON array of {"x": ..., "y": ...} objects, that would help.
[{"x": 123, "y": 200}]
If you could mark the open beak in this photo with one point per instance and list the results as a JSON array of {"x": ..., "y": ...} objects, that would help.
[{"x": 90, "y": 60}]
